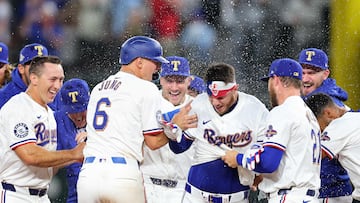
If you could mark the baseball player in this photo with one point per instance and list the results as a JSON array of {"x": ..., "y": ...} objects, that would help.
[
  {"x": 335, "y": 182},
  {"x": 164, "y": 172},
  {"x": 122, "y": 115},
  {"x": 5, "y": 67},
  {"x": 340, "y": 136},
  {"x": 227, "y": 118},
  {"x": 28, "y": 142},
  {"x": 197, "y": 86},
  {"x": 71, "y": 124},
  {"x": 289, "y": 158},
  {"x": 20, "y": 76}
]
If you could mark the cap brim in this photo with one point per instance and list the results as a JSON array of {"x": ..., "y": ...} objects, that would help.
[
  {"x": 4, "y": 61},
  {"x": 161, "y": 59},
  {"x": 175, "y": 74},
  {"x": 316, "y": 66},
  {"x": 265, "y": 79},
  {"x": 74, "y": 108}
]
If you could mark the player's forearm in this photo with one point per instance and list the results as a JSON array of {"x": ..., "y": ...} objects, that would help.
[
  {"x": 53, "y": 158},
  {"x": 156, "y": 141},
  {"x": 269, "y": 160},
  {"x": 63, "y": 165},
  {"x": 34, "y": 155}
]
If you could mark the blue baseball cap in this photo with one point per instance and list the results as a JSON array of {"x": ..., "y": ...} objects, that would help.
[
  {"x": 75, "y": 96},
  {"x": 284, "y": 67},
  {"x": 314, "y": 57},
  {"x": 197, "y": 84},
  {"x": 30, "y": 51},
  {"x": 4, "y": 53},
  {"x": 177, "y": 66}
]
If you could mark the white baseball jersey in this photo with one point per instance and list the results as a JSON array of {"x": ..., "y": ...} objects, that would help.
[
  {"x": 121, "y": 110},
  {"x": 238, "y": 129},
  {"x": 341, "y": 139},
  {"x": 293, "y": 128},
  {"x": 166, "y": 165},
  {"x": 163, "y": 163},
  {"x": 34, "y": 124}
]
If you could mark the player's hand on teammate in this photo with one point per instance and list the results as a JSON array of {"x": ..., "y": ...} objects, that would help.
[
  {"x": 252, "y": 156},
  {"x": 230, "y": 158},
  {"x": 171, "y": 130},
  {"x": 183, "y": 120},
  {"x": 78, "y": 152},
  {"x": 81, "y": 137},
  {"x": 257, "y": 180}
]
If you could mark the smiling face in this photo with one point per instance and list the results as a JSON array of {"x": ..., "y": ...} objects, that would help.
[
  {"x": 174, "y": 88},
  {"x": 45, "y": 85},
  {"x": 313, "y": 78}
]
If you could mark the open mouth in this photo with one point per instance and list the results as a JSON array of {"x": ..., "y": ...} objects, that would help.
[{"x": 174, "y": 94}]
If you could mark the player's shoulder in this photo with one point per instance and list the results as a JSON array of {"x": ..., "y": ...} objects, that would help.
[
  {"x": 347, "y": 120},
  {"x": 18, "y": 101}
]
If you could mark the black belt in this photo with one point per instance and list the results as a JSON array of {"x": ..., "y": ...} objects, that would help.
[
  {"x": 164, "y": 182},
  {"x": 32, "y": 191},
  {"x": 355, "y": 201},
  {"x": 286, "y": 191}
]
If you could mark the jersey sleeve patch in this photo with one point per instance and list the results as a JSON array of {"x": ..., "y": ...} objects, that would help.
[
  {"x": 21, "y": 130},
  {"x": 270, "y": 132}
]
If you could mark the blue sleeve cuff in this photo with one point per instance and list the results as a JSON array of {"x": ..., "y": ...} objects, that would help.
[
  {"x": 178, "y": 148},
  {"x": 239, "y": 158}
]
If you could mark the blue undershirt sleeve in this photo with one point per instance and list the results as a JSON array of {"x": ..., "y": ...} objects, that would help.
[
  {"x": 180, "y": 147},
  {"x": 269, "y": 160}
]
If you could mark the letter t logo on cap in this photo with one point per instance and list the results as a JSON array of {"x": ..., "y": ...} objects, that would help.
[
  {"x": 73, "y": 96},
  {"x": 310, "y": 54},
  {"x": 39, "y": 49},
  {"x": 176, "y": 65}
]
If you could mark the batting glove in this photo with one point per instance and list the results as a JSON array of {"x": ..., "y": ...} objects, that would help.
[
  {"x": 171, "y": 130},
  {"x": 252, "y": 157}
]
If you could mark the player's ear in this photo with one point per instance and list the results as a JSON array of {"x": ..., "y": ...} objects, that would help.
[
  {"x": 33, "y": 79},
  {"x": 329, "y": 113},
  {"x": 326, "y": 74}
]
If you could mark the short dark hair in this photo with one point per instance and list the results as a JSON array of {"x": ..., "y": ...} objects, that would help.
[
  {"x": 318, "y": 102},
  {"x": 37, "y": 63},
  {"x": 220, "y": 72}
]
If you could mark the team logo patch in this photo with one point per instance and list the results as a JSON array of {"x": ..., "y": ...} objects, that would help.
[
  {"x": 270, "y": 131},
  {"x": 21, "y": 130}
]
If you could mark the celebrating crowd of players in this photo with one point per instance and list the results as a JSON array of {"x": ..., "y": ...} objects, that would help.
[{"x": 195, "y": 140}]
